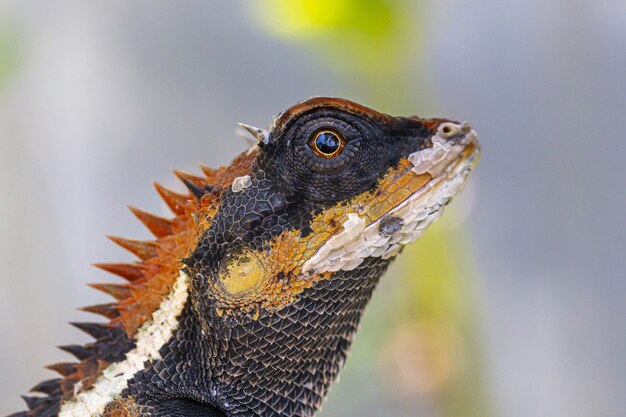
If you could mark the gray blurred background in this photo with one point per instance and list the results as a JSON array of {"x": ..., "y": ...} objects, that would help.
[{"x": 517, "y": 301}]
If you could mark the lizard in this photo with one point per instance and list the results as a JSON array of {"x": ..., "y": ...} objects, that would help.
[{"x": 247, "y": 300}]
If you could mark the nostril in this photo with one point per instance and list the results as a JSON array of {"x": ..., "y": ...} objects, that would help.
[{"x": 450, "y": 130}]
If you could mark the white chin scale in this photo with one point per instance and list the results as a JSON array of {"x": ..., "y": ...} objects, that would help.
[
  {"x": 406, "y": 222},
  {"x": 150, "y": 338}
]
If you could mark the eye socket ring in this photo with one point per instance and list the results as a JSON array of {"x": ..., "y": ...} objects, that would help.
[{"x": 327, "y": 143}]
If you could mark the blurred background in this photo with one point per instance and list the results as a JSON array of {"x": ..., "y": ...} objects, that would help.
[{"x": 513, "y": 305}]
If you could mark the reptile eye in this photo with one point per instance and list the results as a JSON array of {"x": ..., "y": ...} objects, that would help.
[{"x": 327, "y": 144}]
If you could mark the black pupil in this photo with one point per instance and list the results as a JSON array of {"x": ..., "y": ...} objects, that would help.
[{"x": 327, "y": 143}]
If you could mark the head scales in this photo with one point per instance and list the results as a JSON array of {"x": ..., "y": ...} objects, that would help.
[{"x": 325, "y": 237}]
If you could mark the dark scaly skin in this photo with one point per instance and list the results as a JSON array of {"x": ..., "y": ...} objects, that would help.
[
  {"x": 283, "y": 362},
  {"x": 279, "y": 365},
  {"x": 263, "y": 351}
]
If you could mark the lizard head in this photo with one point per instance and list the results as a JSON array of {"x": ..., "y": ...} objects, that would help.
[
  {"x": 329, "y": 185},
  {"x": 280, "y": 254}
]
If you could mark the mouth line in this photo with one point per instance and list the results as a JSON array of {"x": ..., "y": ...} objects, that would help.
[
  {"x": 459, "y": 169},
  {"x": 357, "y": 241}
]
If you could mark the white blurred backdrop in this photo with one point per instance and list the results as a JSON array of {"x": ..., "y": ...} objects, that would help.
[{"x": 99, "y": 97}]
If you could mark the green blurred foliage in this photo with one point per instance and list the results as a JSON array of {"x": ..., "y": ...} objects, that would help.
[
  {"x": 371, "y": 42},
  {"x": 8, "y": 54},
  {"x": 426, "y": 323},
  {"x": 373, "y": 19}
]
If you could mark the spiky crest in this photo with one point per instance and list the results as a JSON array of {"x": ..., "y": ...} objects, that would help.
[{"x": 148, "y": 281}]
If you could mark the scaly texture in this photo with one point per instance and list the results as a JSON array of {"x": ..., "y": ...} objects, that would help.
[{"x": 248, "y": 299}]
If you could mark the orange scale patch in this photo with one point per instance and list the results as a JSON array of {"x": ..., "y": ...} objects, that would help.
[
  {"x": 153, "y": 276},
  {"x": 279, "y": 269},
  {"x": 161, "y": 263},
  {"x": 270, "y": 283},
  {"x": 285, "y": 117},
  {"x": 160, "y": 267}
]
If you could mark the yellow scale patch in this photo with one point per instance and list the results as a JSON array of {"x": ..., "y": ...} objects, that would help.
[{"x": 242, "y": 274}]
